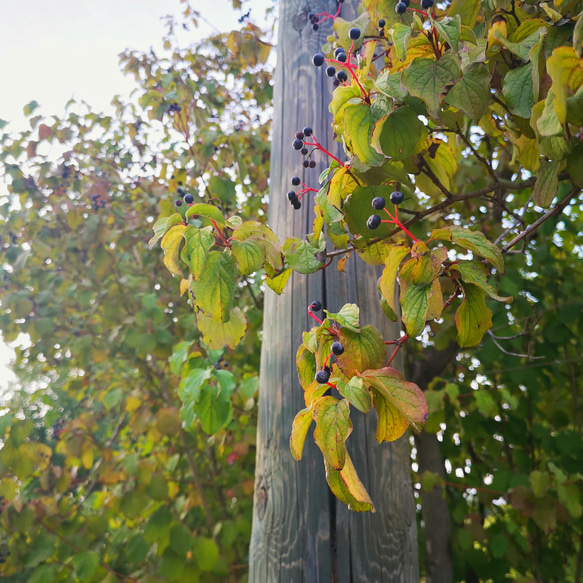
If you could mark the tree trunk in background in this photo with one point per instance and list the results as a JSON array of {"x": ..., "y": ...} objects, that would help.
[{"x": 300, "y": 532}]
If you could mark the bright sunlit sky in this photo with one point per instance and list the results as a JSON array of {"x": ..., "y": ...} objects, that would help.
[{"x": 53, "y": 51}]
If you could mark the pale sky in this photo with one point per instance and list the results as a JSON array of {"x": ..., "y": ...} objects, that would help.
[{"x": 53, "y": 51}]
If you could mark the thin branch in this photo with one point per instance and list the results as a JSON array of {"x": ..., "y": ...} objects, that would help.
[
  {"x": 532, "y": 228},
  {"x": 78, "y": 550},
  {"x": 477, "y": 154},
  {"x": 430, "y": 174},
  {"x": 511, "y": 353}
]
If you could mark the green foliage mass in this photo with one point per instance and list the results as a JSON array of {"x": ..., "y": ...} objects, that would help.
[
  {"x": 128, "y": 450},
  {"x": 142, "y": 471}
]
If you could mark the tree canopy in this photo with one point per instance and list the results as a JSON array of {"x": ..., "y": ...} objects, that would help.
[{"x": 128, "y": 452}]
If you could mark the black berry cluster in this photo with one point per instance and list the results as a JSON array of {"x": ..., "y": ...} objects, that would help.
[
  {"x": 293, "y": 198},
  {"x": 298, "y": 144},
  {"x": 174, "y": 107}
]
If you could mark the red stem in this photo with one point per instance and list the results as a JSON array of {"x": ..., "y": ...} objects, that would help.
[
  {"x": 320, "y": 147},
  {"x": 315, "y": 317},
  {"x": 220, "y": 233},
  {"x": 399, "y": 343}
]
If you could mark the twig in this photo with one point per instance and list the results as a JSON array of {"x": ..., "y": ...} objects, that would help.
[
  {"x": 511, "y": 353},
  {"x": 532, "y": 228}
]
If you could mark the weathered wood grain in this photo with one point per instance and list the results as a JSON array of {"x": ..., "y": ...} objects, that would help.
[{"x": 300, "y": 533}]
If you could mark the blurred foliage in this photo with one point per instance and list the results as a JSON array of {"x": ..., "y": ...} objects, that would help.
[{"x": 102, "y": 475}]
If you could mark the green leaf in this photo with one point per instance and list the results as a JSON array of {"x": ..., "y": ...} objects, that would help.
[
  {"x": 468, "y": 11},
  {"x": 540, "y": 482},
  {"x": 181, "y": 539},
  {"x": 254, "y": 243},
  {"x": 362, "y": 350},
  {"x": 333, "y": 426},
  {"x": 172, "y": 565},
  {"x": 390, "y": 85},
  {"x": 304, "y": 256},
  {"x": 348, "y": 317},
  {"x": 401, "y": 34},
  {"x": 215, "y": 289},
  {"x": 574, "y": 168},
  {"x": 517, "y": 90},
  {"x": 471, "y": 94},
  {"x": 499, "y": 545},
  {"x": 358, "y": 127},
  {"x": 355, "y": 393},
  {"x": 158, "y": 526},
  {"x": 216, "y": 335},
  {"x": 474, "y": 241},
  {"x": 429, "y": 80},
  {"x": 357, "y": 209},
  {"x": 41, "y": 548},
  {"x": 306, "y": 366},
  {"x": 171, "y": 243},
  {"x": 189, "y": 388},
  {"x": 414, "y": 303},
  {"x": 198, "y": 244},
  {"x": 85, "y": 564},
  {"x": 206, "y": 553},
  {"x": 399, "y": 134},
  {"x": 213, "y": 409},
  {"x": 476, "y": 273},
  {"x": 300, "y": 427},
  {"x": 449, "y": 30},
  {"x": 347, "y": 487},
  {"x": 20, "y": 430},
  {"x": 398, "y": 402},
  {"x": 206, "y": 211},
  {"x": 547, "y": 183},
  {"x": 473, "y": 318}
]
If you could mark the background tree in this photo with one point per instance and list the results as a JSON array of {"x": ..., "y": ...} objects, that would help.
[{"x": 101, "y": 478}]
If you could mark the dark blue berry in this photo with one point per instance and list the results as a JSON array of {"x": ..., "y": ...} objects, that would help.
[
  {"x": 354, "y": 33},
  {"x": 299, "y": 135},
  {"x": 338, "y": 52},
  {"x": 316, "y": 306},
  {"x": 425, "y": 4},
  {"x": 311, "y": 15},
  {"x": 312, "y": 163},
  {"x": 373, "y": 222},
  {"x": 330, "y": 71},
  {"x": 342, "y": 76},
  {"x": 337, "y": 348},
  {"x": 178, "y": 202},
  {"x": 315, "y": 27},
  {"x": 401, "y": 8},
  {"x": 305, "y": 163},
  {"x": 296, "y": 181},
  {"x": 397, "y": 197},
  {"x": 322, "y": 377},
  {"x": 297, "y": 204},
  {"x": 291, "y": 195},
  {"x": 318, "y": 60},
  {"x": 342, "y": 57},
  {"x": 304, "y": 151},
  {"x": 381, "y": 23},
  {"x": 307, "y": 131},
  {"x": 189, "y": 199},
  {"x": 378, "y": 203},
  {"x": 297, "y": 144}
]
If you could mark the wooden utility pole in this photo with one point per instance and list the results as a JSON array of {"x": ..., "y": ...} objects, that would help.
[{"x": 301, "y": 534}]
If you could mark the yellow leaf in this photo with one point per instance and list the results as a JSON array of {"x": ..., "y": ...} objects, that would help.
[
  {"x": 132, "y": 403},
  {"x": 564, "y": 68},
  {"x": 87, "y": 456}
]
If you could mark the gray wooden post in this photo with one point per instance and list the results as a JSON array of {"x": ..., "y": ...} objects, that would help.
[{"x": 300, "y": 532}]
